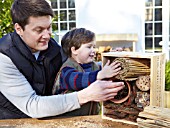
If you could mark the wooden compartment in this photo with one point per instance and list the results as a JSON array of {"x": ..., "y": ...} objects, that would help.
[{"x": 144, "y": 80}]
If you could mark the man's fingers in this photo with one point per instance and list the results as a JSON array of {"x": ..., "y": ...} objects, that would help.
[
  {"x": 115, "y": 84},
  {"x": 112, "y": 91}
]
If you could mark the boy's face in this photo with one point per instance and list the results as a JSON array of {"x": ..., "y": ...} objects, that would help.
[
  {"x": 86, "y": 53},
  {"x": 37, "y": 32}
]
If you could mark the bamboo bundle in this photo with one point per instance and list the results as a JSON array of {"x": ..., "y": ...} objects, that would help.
[{"x": 131, "y": 69}]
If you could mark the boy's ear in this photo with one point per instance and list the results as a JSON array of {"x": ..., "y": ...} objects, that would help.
[
  {"x": 73, "y": 51},
  {"x": 18, "y": 29}
]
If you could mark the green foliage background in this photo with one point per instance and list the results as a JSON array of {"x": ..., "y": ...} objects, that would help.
[
  {"x": 167, "y": 76},
  {"x": 6, "y": 25}
]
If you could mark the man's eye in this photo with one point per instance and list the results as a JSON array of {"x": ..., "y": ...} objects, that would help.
[
  {"x": 49, "y": 28},
  {"x": 39, "y": 30}
]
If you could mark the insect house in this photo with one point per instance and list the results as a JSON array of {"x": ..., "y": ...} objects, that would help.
[{"x": 143, "y": 76}]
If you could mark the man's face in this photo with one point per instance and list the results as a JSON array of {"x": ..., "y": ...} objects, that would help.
[{"x": 37, "y": 32}]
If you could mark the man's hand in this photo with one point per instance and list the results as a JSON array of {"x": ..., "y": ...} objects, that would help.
[{"x": 100, "y": 91}]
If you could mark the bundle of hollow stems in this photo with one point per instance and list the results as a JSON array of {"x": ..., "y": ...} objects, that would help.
[{"x": 131, "y": 69}]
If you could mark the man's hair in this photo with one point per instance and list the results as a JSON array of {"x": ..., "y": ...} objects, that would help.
[
  {"x": 22, "y": 10},
  {"x": 75, "y": 38}
]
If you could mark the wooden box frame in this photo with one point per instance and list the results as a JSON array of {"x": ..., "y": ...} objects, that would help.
[{"x": 157, "y": 77}]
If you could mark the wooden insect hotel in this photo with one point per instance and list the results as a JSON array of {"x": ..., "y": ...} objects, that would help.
[{"x": 144, "y": 78}]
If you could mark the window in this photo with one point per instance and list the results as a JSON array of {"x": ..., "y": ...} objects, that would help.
[
  {"x": 153, "y": 25},
  {"x": 65, "y": 17}
]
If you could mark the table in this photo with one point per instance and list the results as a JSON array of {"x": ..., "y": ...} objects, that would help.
[{"x": 71, "y": 122}]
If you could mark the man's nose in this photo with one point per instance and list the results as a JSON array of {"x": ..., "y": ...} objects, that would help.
[{"x": 46, "y": 34}]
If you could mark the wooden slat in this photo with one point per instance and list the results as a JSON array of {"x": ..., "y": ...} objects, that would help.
[
  {"x": 157, "y": 113},
  {"x": 117, "y": 37},
  {"x": 153, "y": 116}
]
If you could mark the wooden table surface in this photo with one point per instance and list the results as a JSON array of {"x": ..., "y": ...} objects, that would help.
[{"x": 71, "y": 122}]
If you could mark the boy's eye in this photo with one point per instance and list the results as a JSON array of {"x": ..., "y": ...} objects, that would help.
[{"x": 89, "y": 47}]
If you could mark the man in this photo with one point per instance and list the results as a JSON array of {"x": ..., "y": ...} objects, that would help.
[{"x": 29, "y": 62}]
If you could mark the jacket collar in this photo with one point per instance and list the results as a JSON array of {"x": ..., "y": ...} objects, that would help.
[
  {"x": 26, "y": 51},
  {"x": 21, "y": 46}
]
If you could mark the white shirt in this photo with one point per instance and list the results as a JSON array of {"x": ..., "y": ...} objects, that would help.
[{"x": 36, "y": 54}]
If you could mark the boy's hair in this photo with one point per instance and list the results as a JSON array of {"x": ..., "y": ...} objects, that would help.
[
  {"x": 22, "y": 10},
  {"x": 75, "y": 38}
]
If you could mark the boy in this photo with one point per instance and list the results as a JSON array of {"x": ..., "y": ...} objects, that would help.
[{"x": 80, "y": 70}]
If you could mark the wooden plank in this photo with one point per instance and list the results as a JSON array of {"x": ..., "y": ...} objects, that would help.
[
  {"x": 157, "y": 113},
  {"x": 162, "y": 78},
  {"x": 119, "y": 120},
  {"x": 167, "y": 99},
  {"x": 159, "y": 110},
  {"x": 117, "y": 37},
  {"x": 162, "y": 61},
  {"x": 153, "y": 115},
  {"x": 155, "y": 91},
  {"x": 130, "y": 54},
  {"x": 149, "y": 124},
  {"x": 94, "y": 121}
]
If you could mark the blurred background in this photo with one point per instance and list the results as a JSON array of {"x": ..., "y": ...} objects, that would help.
[{"x": 134, "y": 25}]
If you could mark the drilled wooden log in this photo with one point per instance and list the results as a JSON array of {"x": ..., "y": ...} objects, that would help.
[{"x": 143, "y": 83}]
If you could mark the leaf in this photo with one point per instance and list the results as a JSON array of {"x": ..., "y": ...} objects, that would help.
[
  {"x": 6, "y": 21},
  {"x": 167, "y": 76}
]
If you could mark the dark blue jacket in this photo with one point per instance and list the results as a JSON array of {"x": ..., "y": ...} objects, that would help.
[{"x": 40, "y": 73}]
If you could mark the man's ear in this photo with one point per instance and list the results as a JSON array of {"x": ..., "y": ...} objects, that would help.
[
  {"x": 18, "y": 29},
  {"x": 73, "y": 51}
]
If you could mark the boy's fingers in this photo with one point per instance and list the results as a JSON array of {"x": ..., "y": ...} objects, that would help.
[{"x": 107, "y": 63}]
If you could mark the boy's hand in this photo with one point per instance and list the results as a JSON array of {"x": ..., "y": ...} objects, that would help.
[{"x": 109, "y": 70}]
